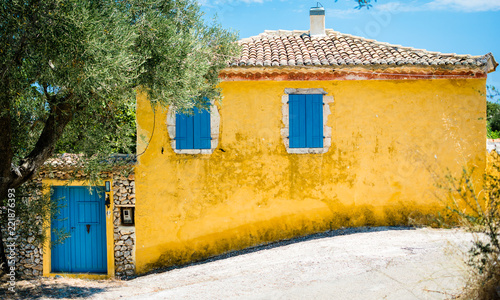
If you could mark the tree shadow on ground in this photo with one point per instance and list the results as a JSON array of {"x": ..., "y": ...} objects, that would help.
[
  {"x": 38, "y": 289},
  {"x": 315, "y": 236}
]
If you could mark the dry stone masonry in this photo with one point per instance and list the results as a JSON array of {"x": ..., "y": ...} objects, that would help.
[
  {"x": 28, "y": 255},
  {"x": 27, "y": 252},
  {"x": 124, "y": 236}
]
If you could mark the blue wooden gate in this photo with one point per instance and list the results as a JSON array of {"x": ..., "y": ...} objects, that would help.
[{"x": 83, "y": 217}]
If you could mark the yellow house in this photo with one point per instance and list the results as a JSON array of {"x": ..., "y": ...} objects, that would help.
[{"x": 316, "y": 130}]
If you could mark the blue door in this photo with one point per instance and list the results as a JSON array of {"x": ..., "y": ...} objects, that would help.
[{"x": 82, "y": 215}]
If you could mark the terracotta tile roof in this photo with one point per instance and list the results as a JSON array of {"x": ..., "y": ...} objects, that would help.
[{"x": 297, "y": 48}]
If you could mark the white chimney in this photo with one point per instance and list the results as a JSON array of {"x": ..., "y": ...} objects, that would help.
[{"x": 317, "y": 15}]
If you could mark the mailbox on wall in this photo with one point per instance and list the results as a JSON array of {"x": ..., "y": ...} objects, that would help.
[{"x": 127, "y": 215}]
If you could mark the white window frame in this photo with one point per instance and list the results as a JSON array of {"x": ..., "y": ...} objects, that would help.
[
  {"x": 214, "y": 131},
  {"x": 285, "y": 130}
]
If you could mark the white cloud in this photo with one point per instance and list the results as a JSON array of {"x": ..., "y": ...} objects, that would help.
[
  {"x": 441, "y": 5},
  {"x": 465, "y": 5},
  {"x": 398, "y": 7},
  {"x": 227, "y": 2}
]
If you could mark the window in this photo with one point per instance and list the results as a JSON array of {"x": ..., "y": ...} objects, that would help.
[
  {"x": 193, "y": 131},
  {"x": 305, "y": 115},
  {"x": 306, "y": 121},
  {"x": 196, "y": 133}
]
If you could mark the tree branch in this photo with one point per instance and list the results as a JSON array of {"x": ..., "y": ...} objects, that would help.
[{"x": 61, "y": 114}]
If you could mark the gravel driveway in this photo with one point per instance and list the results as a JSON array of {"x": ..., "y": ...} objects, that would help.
[{"x": 366, "y": 263}]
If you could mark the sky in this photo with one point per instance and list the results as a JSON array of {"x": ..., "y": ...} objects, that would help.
[{"x": 447, "y": 26}]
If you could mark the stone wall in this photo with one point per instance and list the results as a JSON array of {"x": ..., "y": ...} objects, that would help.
[
  {"x": 28, "y": 256},
  {"x": 124, "y": 236},
  {"x": 27, "y": 252}
]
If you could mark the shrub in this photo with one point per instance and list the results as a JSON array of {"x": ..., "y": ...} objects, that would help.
[{"x": 478, "y": 211}]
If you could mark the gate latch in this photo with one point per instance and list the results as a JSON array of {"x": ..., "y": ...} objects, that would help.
[
  {"x": 108, "y": 201},
  {"x": 88, "y": 228}
]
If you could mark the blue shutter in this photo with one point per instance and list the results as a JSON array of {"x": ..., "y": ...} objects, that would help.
[
  {"x": 314, "y": 121},
  {"x": 202, "y": 134},
  {"x": 184, "y": 131},
  {"x": 306, "y": 121},
  {"x": 193, "y": 131},
  {"x": 297, "y": 120}
]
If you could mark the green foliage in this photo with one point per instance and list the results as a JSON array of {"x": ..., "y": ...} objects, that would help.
[
  {"x": 93, "y": 54},
  {"x": 363, "y": 3},
  {"x": 32, "y": 208},
  {"x": 478, "y": 211},
  {"x": 493, "y": 112},
  {"x": 183, "y": 49},
  {"x": 111, "y": 130},
  {"x": 492, "y": 134},
  {"x": 70, "y": 70},
  {"x": 27, "y": 114}
]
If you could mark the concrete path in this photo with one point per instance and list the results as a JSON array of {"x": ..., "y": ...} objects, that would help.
[{"x": 376, "y": 263}]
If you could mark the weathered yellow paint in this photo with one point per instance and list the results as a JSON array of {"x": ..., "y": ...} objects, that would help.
[
  {"x": 110, "y": 251},
  {"x": 388, "y": 140}
]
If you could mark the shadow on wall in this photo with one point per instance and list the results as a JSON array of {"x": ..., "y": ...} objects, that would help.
[{"x": 262, "y": 235}]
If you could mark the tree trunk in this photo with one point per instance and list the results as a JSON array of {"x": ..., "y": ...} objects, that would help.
[
  {"x": 5, "y": 165},
  {"x": 5, "y": 144},
  {"x": 12, "y": 176},
  {"x": 60, "y": 116},
  {"x": 3, "y": 257}
]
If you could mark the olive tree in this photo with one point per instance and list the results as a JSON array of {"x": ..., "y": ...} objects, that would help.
[{"x": 70, "y": 68}]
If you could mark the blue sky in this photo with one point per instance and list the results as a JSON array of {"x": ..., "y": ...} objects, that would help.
[{"x": 448, "y": 26}]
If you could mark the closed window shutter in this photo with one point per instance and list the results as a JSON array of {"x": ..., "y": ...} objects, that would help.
[
  {"x": 202, "y": 134},
  {"x": 297, "y": 119},
  {"x": 306, "y": 121},
  {"x": 314, "y": 119},
  {"x": 184, "y": 131},
  {"x": 193, "y": 131}
]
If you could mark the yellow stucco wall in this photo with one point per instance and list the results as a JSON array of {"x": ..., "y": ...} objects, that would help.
[{"x": 388, "y": 138}]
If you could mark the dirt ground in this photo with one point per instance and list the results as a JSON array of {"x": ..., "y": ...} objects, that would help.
[{"x": 361, "y": 263}]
